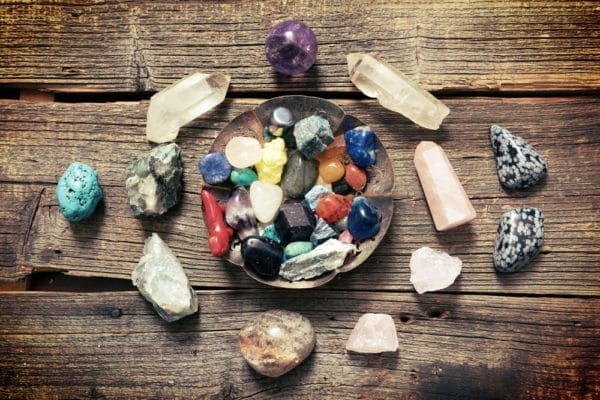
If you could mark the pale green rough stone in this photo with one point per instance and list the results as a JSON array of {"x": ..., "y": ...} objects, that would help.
[
  {"x": 323, "y": 258},
  {"x": 296, "y": 248}
]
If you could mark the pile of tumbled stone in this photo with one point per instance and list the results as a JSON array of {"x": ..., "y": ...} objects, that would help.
[{"x": 295, "y": 202}]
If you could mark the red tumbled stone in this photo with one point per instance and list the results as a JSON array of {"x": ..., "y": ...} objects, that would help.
[
  {"x": 333, "y": 207},
  {"x": 355, "y": 177}
]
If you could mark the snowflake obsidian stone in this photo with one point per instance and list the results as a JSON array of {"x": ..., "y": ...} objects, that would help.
[
  {"x": 519, "y": 165},
  {"x": 519, "y": 239}
]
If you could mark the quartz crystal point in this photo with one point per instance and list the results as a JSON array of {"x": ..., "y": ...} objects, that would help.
[
  {"x": 182, "y": 102},
  {"x": 162, "y": 281},
  {"x": 324, "y": 258},
  {"x": 276, "y": 342},
  {"x": 378, "y": 79},
  {"x": 448, "y": 202},
  {"x": 432, "y": 270},
  {"x": 373, "y": 333}
]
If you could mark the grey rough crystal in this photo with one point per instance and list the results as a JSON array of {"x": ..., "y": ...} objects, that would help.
[
  {"x": 322, "y": 232},
  {"x": 160, "y": 278},
  {"x": 312, "y": 134},
  {"x": 153, "y": 181},
  {"x": 324, "y": 258},
  {"x": 519, "y": 239},
  {"x": 519, "y": 166}
]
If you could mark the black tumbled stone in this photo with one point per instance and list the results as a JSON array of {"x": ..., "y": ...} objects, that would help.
[
  {"x": 341, "y": 187},
  {"x": 294, "y": 222},
  {"x": 262, "y": 255}
]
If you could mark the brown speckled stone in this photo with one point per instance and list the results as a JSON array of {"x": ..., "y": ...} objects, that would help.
[{"x": 276, "y": 342}]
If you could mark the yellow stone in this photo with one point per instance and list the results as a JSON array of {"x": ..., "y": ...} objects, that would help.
[
  {"x": 331, "y": 170},
  {"x": 274, "y": 157}
]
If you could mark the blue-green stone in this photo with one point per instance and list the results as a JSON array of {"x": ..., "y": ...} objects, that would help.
[{"x": 243, "y": 176}]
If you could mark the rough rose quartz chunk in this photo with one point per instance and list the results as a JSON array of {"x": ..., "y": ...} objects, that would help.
[
  {"x": 447, "y": 200},
  {"x": 432, "y": 270},
  {"x": 373, "y": 333}
]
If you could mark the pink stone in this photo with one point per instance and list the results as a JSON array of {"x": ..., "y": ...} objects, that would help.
[
  {"x": 447, "y": 200},
  {"x": 346, "y": 237},
  {"x": 373, "y": 333},
  {"x": 432, "y": 270}
]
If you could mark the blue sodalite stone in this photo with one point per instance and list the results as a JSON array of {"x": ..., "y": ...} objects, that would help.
[
  {"x": 519, "y": 166},
  {"x": 519, "y": 239},
  {"x": 360, "y": 145},
  {"x": 322, "y": 232},
  {"x": 312, "y": 134},
  {"x": 363, "y": 220},
  {"x": 214, "y": 168},
  {"x": 78, "y": 192}
]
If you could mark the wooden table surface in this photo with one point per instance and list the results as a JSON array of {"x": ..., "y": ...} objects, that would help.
[{"x": 75, "y": 82}]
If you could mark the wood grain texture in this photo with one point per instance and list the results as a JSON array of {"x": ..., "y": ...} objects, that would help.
[
  {"x": 109, "y": 345},
  {"x": 144, "y": 46},
  {"x": 40, "y": 140}
]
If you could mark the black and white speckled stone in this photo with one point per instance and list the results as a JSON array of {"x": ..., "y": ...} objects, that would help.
[
  {"x": 519, "y": 165},
  {"x": 519, "y": 239}
]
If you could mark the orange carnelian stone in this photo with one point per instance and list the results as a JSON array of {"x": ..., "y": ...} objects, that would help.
[
  {"x": 333, "y": 207},
  {"x": 355, "y": 177},
  {"x": 331, "y": 170},
  {"x": 336, "y": 149}
]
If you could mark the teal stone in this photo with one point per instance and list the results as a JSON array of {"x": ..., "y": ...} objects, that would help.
[
  {"x": 299, "y": 175},
  {"x": 78, "y": 192},
  {"x": 271, "y": 233},
  {"x": 243, "y": 176},
  {"x": 294, "y": 249},
  {"x": 312, "y": 134}
]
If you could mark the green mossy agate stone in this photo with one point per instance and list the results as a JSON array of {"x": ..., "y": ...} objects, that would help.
[
  {"x": 78, "y": 192},
  {"x": 153, "y": 181}
]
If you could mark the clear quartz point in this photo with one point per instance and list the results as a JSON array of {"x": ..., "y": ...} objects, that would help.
[
  {"x": 182, "y": 102},
  {"x": 378, "y": 79}
]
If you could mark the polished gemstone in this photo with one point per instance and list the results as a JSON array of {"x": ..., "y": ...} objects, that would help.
[
  {"x": 336, "y": 149},
  {"x": 239, "y": 213},
  {"x": 276, "y": 342},
  {"x": 265, "y": 199},
  {"x": 346, "y": 237},
  {"x": 331, "y": 170},
  {"x": 333, "y": 207},
  {"x": 299, "y": 175},
  {"x": 262, "y": 255},
  {"x": 313, "y": 195},
  {"x": 274, "y": 158},
  {"x": 243, "y": 152},
  {"x": 219, "y": 233},
  {"x": 78, "y": 192},
  {"x": 432, "y": 270},
  {"x": 363, "y": 219},
  {"x": 294, "y": 249},
  {"x": 160, "y": 278},
  {"x": 373, "y": 333},
  {"x": 360, "y": 145},
  {"x": 214, "y": 168},
  {"x": 448, "y": 202},
  {"x": 312, "y": 134},
  {"x": 322, "y": 232},
  {"x": 153, "y": 181},
  {"x": 270, "y": 232},
  {"x": 355, "y": 177},
  {"x": 323, "y": 258},
  {"x": 243, "y": 176},
  {"x": 294, "y": 221},
  {"x": 341, "y": 187},
  {"x": 182, "y": 102},
  {"x": 291, "y": 47},
  {"x": 519, "y": 239},
  {"x": 394, "y": 91},
  {"x": 519, "y": 165},
  {"x": 281, "y": 119}
]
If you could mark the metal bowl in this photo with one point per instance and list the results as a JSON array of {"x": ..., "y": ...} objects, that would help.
[{"x": 378, "y": 189}]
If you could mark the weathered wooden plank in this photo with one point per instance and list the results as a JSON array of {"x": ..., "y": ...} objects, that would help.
[
  {"x": 142, "y": 46},
  {"x": 40, "y": 140},
  {"x": 114, "y": 345}
]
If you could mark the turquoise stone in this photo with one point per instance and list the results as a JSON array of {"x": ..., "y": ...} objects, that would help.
[
  {"x": 294, "y": 249},
  {"x": 271, "y": 233},
  {"x": 243, "y": 176},
  {"x": 299, "y": 175},
  {"x": 78, "y": 192}
]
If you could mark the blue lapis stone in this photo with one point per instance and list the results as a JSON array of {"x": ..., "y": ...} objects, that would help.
[
  {"x": 363, "y": 220},
  {"x": 360, "y": 145},
  {"x": 214, "y": 168}
]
